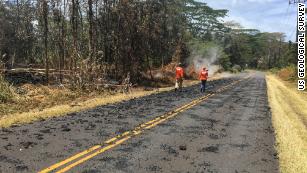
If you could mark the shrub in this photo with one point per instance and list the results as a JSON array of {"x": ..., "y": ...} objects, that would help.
[
  {"x": 6, "y": 91},
  {"x": 225, "y": 62},
  {"x": 274, "y": 70},
  {"x": 288, "y": 73},
  {"x": 236, "y": 69}
]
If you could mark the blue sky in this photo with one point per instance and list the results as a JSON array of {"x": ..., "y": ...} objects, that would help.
[{"x": 265, "y": 15}]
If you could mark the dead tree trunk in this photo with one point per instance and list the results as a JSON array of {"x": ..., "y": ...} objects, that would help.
[
  {"x": 45, "y": 19},
  {"x": 90, "y": 31}
]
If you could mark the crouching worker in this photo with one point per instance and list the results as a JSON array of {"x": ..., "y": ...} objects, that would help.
[
  {"x": 179, "y": 77},
  {"x": 203, "y": 76}
]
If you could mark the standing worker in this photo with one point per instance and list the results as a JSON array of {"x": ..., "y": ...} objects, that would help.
[
  {"x": 203, "y": 76},
  {"x": 179, "y": 77}
]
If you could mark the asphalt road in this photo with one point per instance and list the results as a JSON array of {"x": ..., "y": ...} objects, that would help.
[{"x": 230, "y": 131}]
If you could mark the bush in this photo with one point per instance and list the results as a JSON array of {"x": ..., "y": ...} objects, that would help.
[
  {"x": 288, "y": 73},
  {"x": 236, "y": 69},
  {"x": 6, "y": 91},
  {"x": 274, "y": 70},
  {"x": 225, "y": 62}
]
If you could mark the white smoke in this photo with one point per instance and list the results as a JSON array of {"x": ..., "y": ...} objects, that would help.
[
  {"x": 158, "y": 75},
  {"x": 207, "y": 59},
  {"x": 223, "y": 75}
]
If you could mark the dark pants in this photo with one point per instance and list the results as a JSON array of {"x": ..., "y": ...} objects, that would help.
[
  {"x": 179, "y": 81},
  {"x": 203, "y": 86}
]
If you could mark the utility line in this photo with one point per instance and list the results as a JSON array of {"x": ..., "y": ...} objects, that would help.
[{"x": 296, "y": 2}]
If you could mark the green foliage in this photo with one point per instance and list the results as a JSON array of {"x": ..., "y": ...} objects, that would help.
[
  {"x": 253, "y": 49},
  {"x": 236, "y": 69},
  {"x": 203, "y": 21},
  {"x": 130, "y": 36},
  {"x": 274, "y": 70},
  {"x": 200, "y": 47},
  {"x": 225, "y": 61},
  {"x": 123, "y": 36}
]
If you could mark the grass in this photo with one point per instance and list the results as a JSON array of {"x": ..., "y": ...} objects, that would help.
[
  {"x": 28, "y": 97},
  {"x": 6, "y": 91},
  {"x": 288, "y": 73},
  {"x": 53, "y": 103},
  {"x": 289, "y": 116}
]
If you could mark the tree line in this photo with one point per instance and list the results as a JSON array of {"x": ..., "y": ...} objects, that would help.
[{"x": 88, "y": 40}]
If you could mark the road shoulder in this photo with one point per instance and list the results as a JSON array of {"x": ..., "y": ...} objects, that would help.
[{"x": 289, "y": 116}]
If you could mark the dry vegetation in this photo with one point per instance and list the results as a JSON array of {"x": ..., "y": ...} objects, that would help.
[
  {"x": 28, "y": 97},
  {"x": 29, "y": 102},
  {"x": 41, "y": 102},
  {"x": 289, "y": 114},
  {"x": 288, "y": 73}
]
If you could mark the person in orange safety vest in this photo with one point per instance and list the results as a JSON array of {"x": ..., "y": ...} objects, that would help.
[
  {"x": 203, "y": 76},
  {"x": 179, "y": 77}
]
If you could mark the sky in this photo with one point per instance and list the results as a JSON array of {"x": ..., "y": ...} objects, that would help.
[{"x": 264, "y": 15}]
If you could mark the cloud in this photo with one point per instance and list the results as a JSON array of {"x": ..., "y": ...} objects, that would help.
[
  {"x": 258, "y": 1},
  {"x": 265, "y": 15}
]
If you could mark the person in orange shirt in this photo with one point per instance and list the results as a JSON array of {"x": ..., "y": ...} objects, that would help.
[
  {"x": 203, "y": 76},
  {"x": 179, "y": 77}
]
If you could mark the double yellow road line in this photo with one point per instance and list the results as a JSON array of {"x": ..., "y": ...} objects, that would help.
[{"x": 73, "y": 161}]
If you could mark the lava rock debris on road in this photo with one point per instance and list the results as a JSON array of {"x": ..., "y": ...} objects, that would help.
[{"x": 230, "y": 125}]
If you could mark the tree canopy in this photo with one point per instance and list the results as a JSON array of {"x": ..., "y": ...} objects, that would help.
[{"x": 110, "y": 38}]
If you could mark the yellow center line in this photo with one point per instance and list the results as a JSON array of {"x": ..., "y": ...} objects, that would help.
[
  {"x": 115, "y": 141},
  {"x": 70, "y": 159},
  {"x": 93, "y": 155},
  {"x": 110, "y": 140}
]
